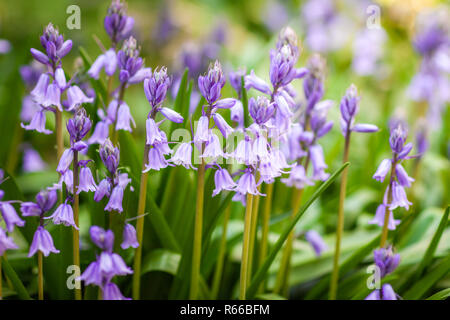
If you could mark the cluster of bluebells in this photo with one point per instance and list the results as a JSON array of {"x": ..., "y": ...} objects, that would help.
[
  {"x": 106, "y": 266},
  {"x": 395, "y": 195},
  {"x": 52, "y": 84},
  {"x": 273, "y": 114},
  {"x": 45, "y": 201},
  {"x": 386, "y": 262},
  {"x": 78, "y": 127},
  {"x": 304, "y": 131},
  {"x": 157, "y": 145},
  {"x": 126, "y": 62},
  {"x": 9, "y": 215}
]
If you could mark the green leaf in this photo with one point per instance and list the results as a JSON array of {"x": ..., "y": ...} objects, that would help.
[
  {"x": 441, "y": 295},
  {"x": 161, "y": 226},
  {"x": 179, "y": 100},
  {"x": 428, "y": 256},
  {"x": 269, "y": 296},
  {"x": 17, "y": 284},
  {"x": 421, "y": 287},
  {"x": 208, "y": 230},
  {"x": 161, "y": 260},
  {"x": 262, "y": 271}
]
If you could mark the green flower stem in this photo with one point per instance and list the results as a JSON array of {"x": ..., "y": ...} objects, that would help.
[
  {"x": 340, "y": 224},
  {"x": 140, "y": 227},
  {"x": 198, "y": 229},
  {"x": 76, "y": 204},
  {"x": 282, "y": 276},
  {"x": 40, "y": 276},
  {"x": 384, "y": 232},
  {"x": 245, "y": 247},
  {"x": 265, "y": 228},
  {"x": 253, "y": 225},
  {"x": 221, "y": 258}
]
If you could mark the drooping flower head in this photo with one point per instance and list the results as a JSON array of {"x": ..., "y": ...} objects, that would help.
[
  {"x": 6, "y": 242},
  {"x": 42, "y": 241},
  {"x": 106, "y": 266}
]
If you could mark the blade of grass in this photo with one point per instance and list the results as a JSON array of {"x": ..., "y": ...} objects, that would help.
[
  {"x": 428, "y": 256},
  {"x": 441, "y": 295},
  {"x": 421, "y": 287},
  {"x": 17, "y": 284}
]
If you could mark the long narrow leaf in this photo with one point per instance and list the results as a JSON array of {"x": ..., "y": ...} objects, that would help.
[
  {"x": 441, "y": 295},
  {"x": 17, "y": 284},
  {"x": 262, "y": 271},
  {"x": 428, "y": 256},
  {"x": 423, "y": 285}
]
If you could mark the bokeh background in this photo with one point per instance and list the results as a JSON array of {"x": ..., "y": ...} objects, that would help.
[{"x": 178, "y": 34}]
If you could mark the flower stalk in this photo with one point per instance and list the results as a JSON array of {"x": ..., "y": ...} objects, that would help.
[
  {"x": 40, "y": 276},
  {"x": 384, "y": 232},
  {"x": 253, "y": 228},
  {"x": 221, "y": 257},
  {"x": 198, "y": 228},
  {"x": 349, "y": 108},
  {"x": 265, "y": 228},
  {"x": 140, "y": 227},
  {"x": 76, "y": 204},
  {"x": 340, "y": 224},
  {"x": 283, "y": 276}
]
